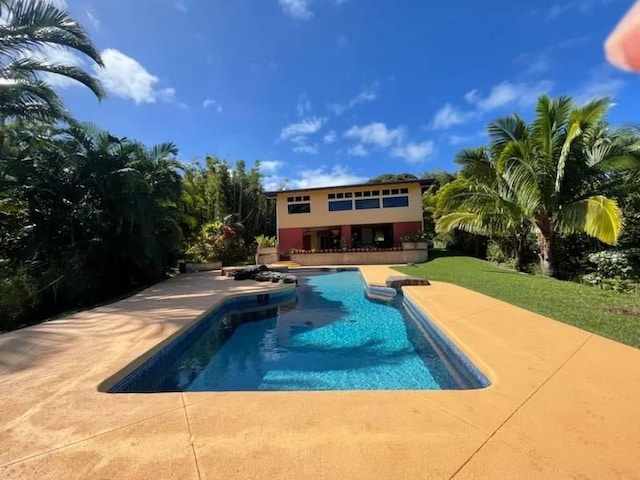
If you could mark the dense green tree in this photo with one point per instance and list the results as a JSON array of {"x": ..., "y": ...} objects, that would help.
[
  {"x": 393, "y": 177},
  {"x": 84, "y": 215},
  {"x": 430, "y": 199}
]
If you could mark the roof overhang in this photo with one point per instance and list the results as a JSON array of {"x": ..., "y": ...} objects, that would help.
[{"x": 424, "y": 183}]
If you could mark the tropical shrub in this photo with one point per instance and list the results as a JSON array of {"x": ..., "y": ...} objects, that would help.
[
  {"x": 18, "y": 297},
  {"x": 216, "y": 242},
  {"x": 495, "y": 252},
  {"x": 615, "y": 269},
  {"x": 266, "y": 242},
  {"x": 419, "y": 236}
]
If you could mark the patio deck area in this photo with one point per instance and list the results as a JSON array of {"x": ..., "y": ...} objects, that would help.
[{"x": 563, "y": 402}]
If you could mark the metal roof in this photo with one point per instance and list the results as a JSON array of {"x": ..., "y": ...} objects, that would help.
[{"x": 424, "y": 182}]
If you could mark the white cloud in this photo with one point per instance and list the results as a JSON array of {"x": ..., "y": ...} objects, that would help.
[
  {"x": 93, "y": 18},
  {"x": 449, "y": 116},
  {"x": 303, "y": 106},
  {"x": 414, "y": 152},
  {"x": 270, "y": 166},
  {"x": 124, "y": 77},
  {"x": 603, "y": 81},
  {"x": 306, "y": 148},
  {"x": 358, "y": 151},
  {"x": 181, "y": 5},
  {"x": 582, "y": 6},
  {"x": 210, "y": 103},
  {"x": 323, "y": 177},
  {"x": 367, "y": 94},
  {"x": 300, "y": 9},
  {"x": 376, "y": 134},
  {"x": 270, "y": 169},
  {"x": 502, "y": 95},
  {"x": 296, "y": 8},
  {"x": 330, "y": 137},
  {"x": 506, "y": 93},
  {"x": 307, "y": 126},
  {"x": 471, "y": 96}
]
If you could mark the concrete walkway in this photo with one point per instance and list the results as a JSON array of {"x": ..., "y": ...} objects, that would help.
[{"x": 564, "y": 403}]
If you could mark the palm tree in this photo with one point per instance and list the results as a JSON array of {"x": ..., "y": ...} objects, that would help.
[
  {"x": 552, "y": 177},
  {"x": 27, "y": 29},
  {"x": 480, "y": 201}
]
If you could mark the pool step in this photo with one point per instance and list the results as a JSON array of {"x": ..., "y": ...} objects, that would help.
[{"x": 398, "y": 281}]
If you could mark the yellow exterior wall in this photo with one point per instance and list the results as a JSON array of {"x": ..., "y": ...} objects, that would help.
[{"x": 320, "y": 216}]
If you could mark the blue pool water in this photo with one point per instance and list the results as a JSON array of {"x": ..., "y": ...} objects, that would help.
[{"x": 326, "y": 336}]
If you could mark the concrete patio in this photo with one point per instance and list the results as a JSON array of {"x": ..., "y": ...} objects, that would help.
[{"x": 563, "y": 402}]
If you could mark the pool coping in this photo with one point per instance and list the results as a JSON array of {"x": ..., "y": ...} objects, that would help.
[{"x": 562, "y": 402}]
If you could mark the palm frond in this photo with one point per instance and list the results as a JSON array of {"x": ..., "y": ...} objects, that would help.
[
  {"x": 29, "y": 68},
  {"x": 505, "y": 130},
  {"x": 26, "y": 99},
  {"x": 597, "y": 216},
  {"x": 32, "y": 23}
]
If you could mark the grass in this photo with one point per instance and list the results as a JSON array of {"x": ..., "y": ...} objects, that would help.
[{"x": 599, "y": 311}]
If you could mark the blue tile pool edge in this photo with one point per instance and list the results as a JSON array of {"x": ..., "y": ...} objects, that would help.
[
  {"x": 472, "y": 377},
  {"x": 121, "y": 381},
  {"x": 457, "y": 362}
]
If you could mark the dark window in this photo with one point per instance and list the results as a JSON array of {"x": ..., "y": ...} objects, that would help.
[
  {"x": 332, "y": 196},
  {"x": 300, "y": 208},
  {"x": 289, "y": 199},
  {"x": 404, "y": 190},
  {"x": 339, "y": 195},
  {"x": 367, "y": 193},
  {"x": 298, "y": 199},
  {"x": 385, "y": 192},
  {"x": 367, "y": 203},
  {"x": 394, "y": 191},
  {"x": 340, "y": 205},
  {"x": 348, "y": 195},
  {"x": 392, "y": 202},
  {"x": 306, "y": 198},
  {"x": 358, "y": 194},
  {"x": 375, "y": 193}
]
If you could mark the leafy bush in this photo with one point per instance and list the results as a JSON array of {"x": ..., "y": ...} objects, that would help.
[
  {"x": 495, "y": 253},
  {"x": 264, "y": 241},
  {"x": 18, "y": 297},
  {"x": 419, "y": 236},
  {"x": 617, "y": 270},
  {"x": 216, "y": 242}
]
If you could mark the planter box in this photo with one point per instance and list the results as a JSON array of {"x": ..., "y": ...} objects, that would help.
[
  {"x": 203, "y": 267},
  {"x": 392, "y": 257},
  {"x": 267, "y": 250},
  {"x": 414, "y": 245}
]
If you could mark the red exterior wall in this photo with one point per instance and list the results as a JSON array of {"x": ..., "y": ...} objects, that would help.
[
  {"x": 345, "y": 232},
  {"x": 289, "y": 238},
  {"x": 404, "y": 228}
]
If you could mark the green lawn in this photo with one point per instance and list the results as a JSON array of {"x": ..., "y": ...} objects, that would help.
[{"x": 608, "y": 314}]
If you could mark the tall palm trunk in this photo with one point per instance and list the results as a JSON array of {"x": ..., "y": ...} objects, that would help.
[
  {"x": 520, "y": 252},
  {"x": 547, "y": 260},
  {"x": 545, "y": 244}
]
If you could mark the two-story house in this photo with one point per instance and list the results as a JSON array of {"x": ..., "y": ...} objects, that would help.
[{"x": 364, "y": 215}]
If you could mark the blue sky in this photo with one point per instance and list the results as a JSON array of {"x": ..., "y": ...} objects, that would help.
[{"x": 339, "y": 91}]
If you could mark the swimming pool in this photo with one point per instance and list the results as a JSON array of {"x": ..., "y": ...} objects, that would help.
[{"x": 325, "y": 335}]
